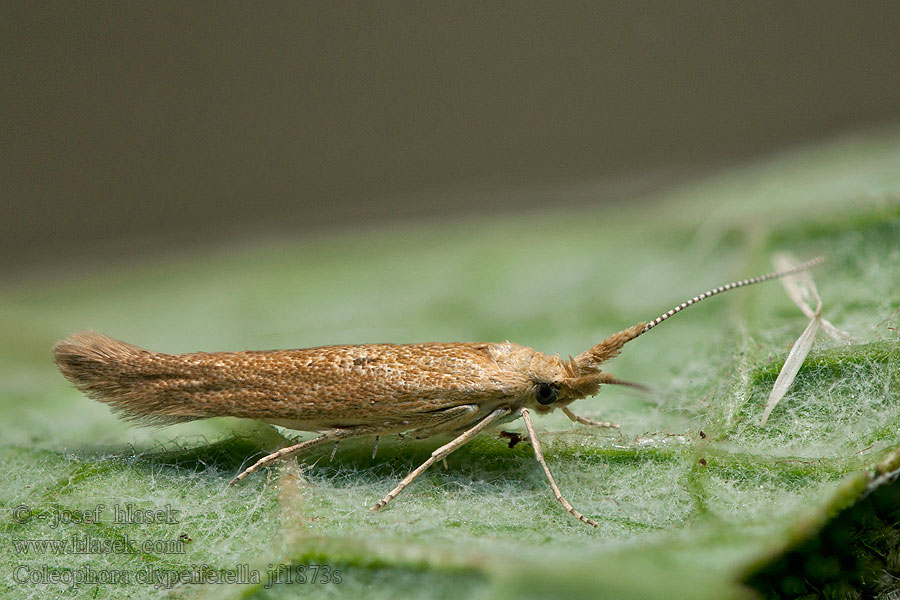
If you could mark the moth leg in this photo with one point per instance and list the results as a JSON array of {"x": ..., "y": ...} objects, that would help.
[
  {"x": 540, "y": 457},
  {"x": 429, "y": 420},
  {"x": 609, "y": 379},
  {"x": 433, "y": 422},
  {"x": 585, "y": 421},
  {"x": 289, "y": 450},
  {"x": 447, "y": 420},
  {"x": 442, "y": 453}
]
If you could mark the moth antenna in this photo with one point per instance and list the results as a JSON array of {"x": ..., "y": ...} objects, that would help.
[
  {"x": 611, "y": 346},
  {"x": 730, "y": 286}
]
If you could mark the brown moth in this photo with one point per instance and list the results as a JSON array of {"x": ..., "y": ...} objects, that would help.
[{"x": 352, "y": 391}]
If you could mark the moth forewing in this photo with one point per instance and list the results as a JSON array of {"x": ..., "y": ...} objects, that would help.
[
  {"x": 349, "y": 391},
  {"x": 309, "y": 389}
]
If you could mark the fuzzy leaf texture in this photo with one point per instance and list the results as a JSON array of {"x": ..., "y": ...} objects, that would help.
[{"x": 694, "y": 499}]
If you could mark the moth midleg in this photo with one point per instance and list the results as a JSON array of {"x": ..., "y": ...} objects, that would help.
[
  {"x": 585, "y": 421},
  {"x": 442, "y": 453},
  {"x": 540, "y": 457},
  {"x": 456, "y": 418}
]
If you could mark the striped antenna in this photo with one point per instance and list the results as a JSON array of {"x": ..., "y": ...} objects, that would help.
[{"x": 730, "y": 286}]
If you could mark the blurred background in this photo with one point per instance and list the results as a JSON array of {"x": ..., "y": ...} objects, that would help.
[{"x": 137, "y": 127}]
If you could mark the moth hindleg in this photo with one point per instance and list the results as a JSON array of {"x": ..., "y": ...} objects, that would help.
[
  {"x": 332, "y": 434},
  {"x": 429, "y": 423}
]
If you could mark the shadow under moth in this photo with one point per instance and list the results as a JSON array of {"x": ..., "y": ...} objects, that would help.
[{"x": 342, "y": 392}]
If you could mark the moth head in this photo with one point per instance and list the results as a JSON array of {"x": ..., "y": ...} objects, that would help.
[
  {"x": 566, "y": 384},
  {"x": 560, "y": 382}
]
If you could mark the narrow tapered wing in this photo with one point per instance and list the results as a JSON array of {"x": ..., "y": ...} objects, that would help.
[{"x": 310, "y": 389}]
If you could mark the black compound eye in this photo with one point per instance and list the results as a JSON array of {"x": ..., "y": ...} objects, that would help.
[{"x": 546, "y": 393}]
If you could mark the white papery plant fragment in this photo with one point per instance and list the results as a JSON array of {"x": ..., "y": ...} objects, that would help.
[{"x": 801, "y": 289}]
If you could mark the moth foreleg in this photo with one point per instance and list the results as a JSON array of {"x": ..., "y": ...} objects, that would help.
[
  {"x": 586, "y": 421},
  {"x": 540, "y": 457},
  {"x": 442, "y": 453}
]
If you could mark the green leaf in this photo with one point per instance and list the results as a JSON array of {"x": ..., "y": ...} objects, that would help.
[{"x": 690, "y": 499}]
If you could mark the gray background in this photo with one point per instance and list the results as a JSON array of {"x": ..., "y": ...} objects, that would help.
[{"x": 131, "y": 127}]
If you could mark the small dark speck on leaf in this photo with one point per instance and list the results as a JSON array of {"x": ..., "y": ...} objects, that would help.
[
  {"x": 514, "y": 437},
  {"x": 702, "y": 462}
]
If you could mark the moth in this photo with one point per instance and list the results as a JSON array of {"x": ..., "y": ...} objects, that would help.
[{"x": 342, "y": 392}]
